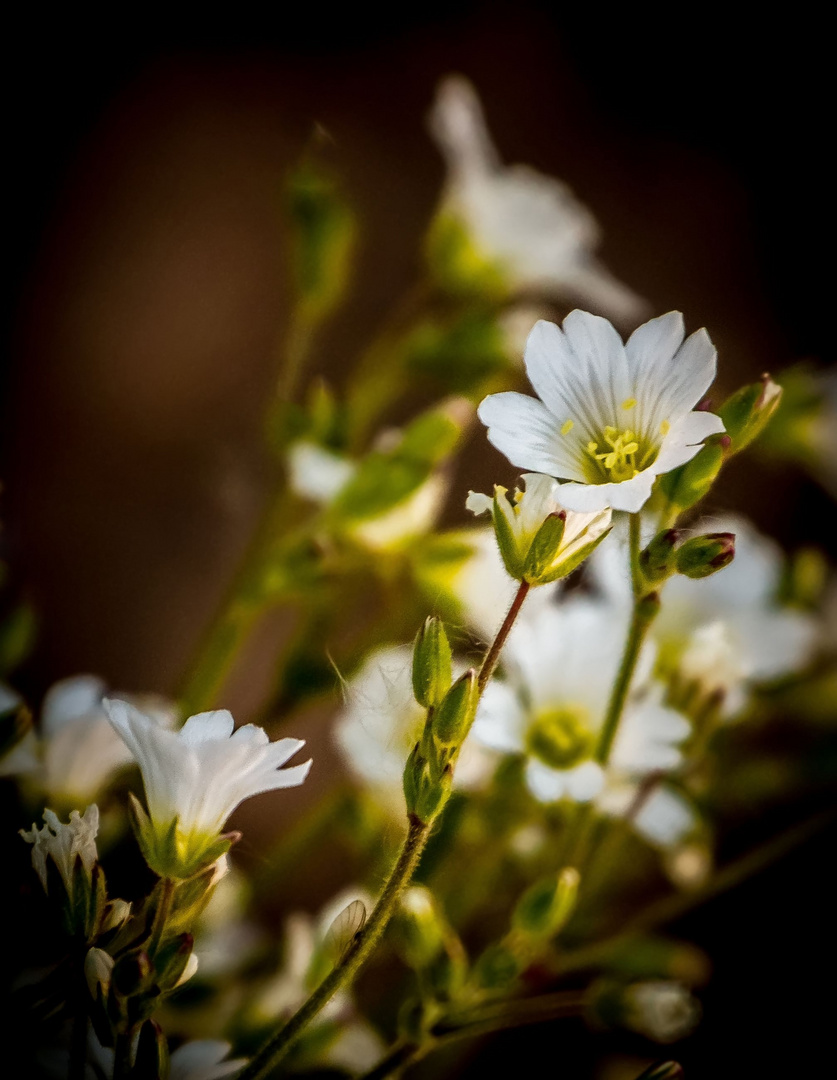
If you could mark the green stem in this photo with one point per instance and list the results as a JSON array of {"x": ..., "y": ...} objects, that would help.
[
  {"x": 122, "y": 1055},
  {"x": 358, "y": 951},
  {"x": 168, "y": 887},
  {"x": 493, "y": 655},
  {"x": 297, "y": 347},
  {"x": 644, "y": 610}
]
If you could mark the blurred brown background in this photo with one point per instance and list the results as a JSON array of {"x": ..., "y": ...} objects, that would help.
[{"x": 148, "y": 298}]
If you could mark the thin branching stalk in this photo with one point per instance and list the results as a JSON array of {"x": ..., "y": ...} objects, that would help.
[{"x": 493, "y": 655}]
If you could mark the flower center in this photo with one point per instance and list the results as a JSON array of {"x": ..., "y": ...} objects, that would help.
[
  {"x": 620, "y": 455},
  {"x": 561, "y": 738}
]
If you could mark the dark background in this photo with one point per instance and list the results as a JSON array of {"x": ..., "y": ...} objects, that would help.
[{"x": 148, "y": 294}]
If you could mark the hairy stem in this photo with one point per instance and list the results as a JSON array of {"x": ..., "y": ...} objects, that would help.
[
  {"x": 493, "y": 655},
  {"x": 362, "y": 945}
]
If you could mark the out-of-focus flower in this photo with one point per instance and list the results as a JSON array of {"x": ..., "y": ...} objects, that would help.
[
  {"x": 663, "y": 1010},
  {"x": 531, "y": 226},
  {"x": 663, "y": 816},
  {"x": 22, "y": 758},
  {"x": 528, "y": 554},
  {"x": 726, "y": 633},
  {"x": 611, "y": 417},
  {"x": 195, "y": 777},
  {"x": 64, "y": 843},
  {"x": 381, "y": 723},
  {"x": 561, "y": 662},
  {"x": 354, "y": 1045},
  {"x": 203, "y": 1059}
]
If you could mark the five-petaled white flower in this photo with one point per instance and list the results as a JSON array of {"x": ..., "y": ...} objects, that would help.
[
  {"x": 612, "y": 417},
  {"x": 531, "y": 225},
  {"x": 64, "y": 844},
  {"x": 561, "y": 662},
  {"x": 194, "y": 779}
]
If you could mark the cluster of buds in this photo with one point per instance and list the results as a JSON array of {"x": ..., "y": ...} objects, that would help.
[
  {"x": 540, "y": 541},
  {"x": 451, "y": 707}
]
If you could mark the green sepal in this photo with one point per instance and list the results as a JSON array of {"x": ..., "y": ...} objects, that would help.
[
  {"x": 432, "y": 663},
  {"x": 546, "y": 906},
  {"x": 170, "y": 960},
  {"x": 17, "y": 636},
  {"x": 133, "y": 973},
  {"x": 322, "y": 237},
  {"x": 432, "y": 795},
  {"x": 705, "y": 555},
  {"x": 512, "y": 558},
  {"x": 566, "y": 566},
  {"x": 543, "y": 550},
  {"x": 455, "y": 263},
  {"x": 497, "y": 966},
  {"x": 686, "y": 485},
  {"x": 151, "y": 1059},
  {"x": 657, "y": 560},
  {"x": 748, "y": 411},
  {"x": 454, "y": 716}
]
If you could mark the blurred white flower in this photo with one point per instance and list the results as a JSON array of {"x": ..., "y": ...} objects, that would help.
[
  {"x": 663, "y": 1010},
  {"x": 316, "y": 473},
  {"x": 611, "y": 417},
  {"x": 723, "y": 633},
  {"x": 64, "y": 843},
  {"x": 355, "y": 1045},
  {"x": 381, "y": 722},
  {"x": 523, "y": 518},
  {"x": 663, "y": 816},
  {"x": 561, "y": 662},
  {"x": 531, "y": 225},
  {"x": 204, "y": 1060},
  {"x": 195, "y": 777}
]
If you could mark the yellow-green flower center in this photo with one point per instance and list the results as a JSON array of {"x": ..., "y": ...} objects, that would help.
[
  {"x": 562, "y": 737},
  {"x": 619, "y": 455}
]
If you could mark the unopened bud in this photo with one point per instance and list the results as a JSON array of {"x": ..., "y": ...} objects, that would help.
[
  {"x": 432, "y": 794},
  {"x": 544, "y": 548},
  {"x": 657, "y": 560},
  {"x": 421, "y": 931},
  {"x": 455, "y": 714},
  {"x": 497, "y": 967},
  {"x": 412, "y": 777},
  {"x": 704, "y": 555},
  {"x": 747, "y": 412},
  {"x": 132, "y": 973},
  {"x": 431, "y": 663},
  {"x": 547, "y": 905},
  {"x": 687, "y": 485}
]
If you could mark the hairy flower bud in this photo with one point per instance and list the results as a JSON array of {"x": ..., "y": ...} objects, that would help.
[
  {"x": 455, "y": 715},
  {"x": 547, "y": 905},
  {"x": 747, "y": 412},
  {"x": 704, "y": 555},
  {"x": 431, "y": 663},
  {"x": 657, "y": 560}
]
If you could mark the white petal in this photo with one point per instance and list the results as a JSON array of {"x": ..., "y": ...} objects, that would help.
[
  {"x": 547, "y": 785},
  {"x": 69, "y": 699},
  {"x": 585, "y": 781},
  {"x": 499, "y": 721},
  {"x": 524, "y": 430},
  {"x": 207, "y": 727}
]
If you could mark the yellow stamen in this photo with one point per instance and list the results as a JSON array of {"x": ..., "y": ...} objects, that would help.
[
  {"x": 629, "y": 403},
  {"x": 567, "y": 427},
  {"x": 665, "y": 427}
]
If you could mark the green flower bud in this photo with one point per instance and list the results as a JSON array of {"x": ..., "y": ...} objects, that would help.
[
  {"x": 685, "y": 486},
  {"x": 431, "y": 664},
  {"x": 432, "y": 794},
  {"x": 547, "y": 905},
  {"x": 544, "y": 548},
  {"x": 704, "y": 555},
  {"x": 454, "y": 716},
  {"x": 657, "y": 560},
  {"x": 497, "y": 967},
  {"x": 747, "y": 412},
  {"x": 413, "y": 771},
  {"x": 421, "y": 932}
]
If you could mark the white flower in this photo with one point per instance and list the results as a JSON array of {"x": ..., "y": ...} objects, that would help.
[
  {"x": 532, "y": 225},
  {"x": 316, "y": 473},
  {"x": 612, "y": 417},
  {"x": 726, "y": 632},
  {"x": 522, "y": 522},
  {"x": 561, "y": 662},
  {"x": 194, "y": 778},
  {"x": 355, "y": 1045},
  {"x": 98, "y": 966},
  {"x": 664, "y": 817},
  {"x": 661, "y": 1009},
  {"x": 64, "y": 843},
  {"x": 381, "y": 722}
]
